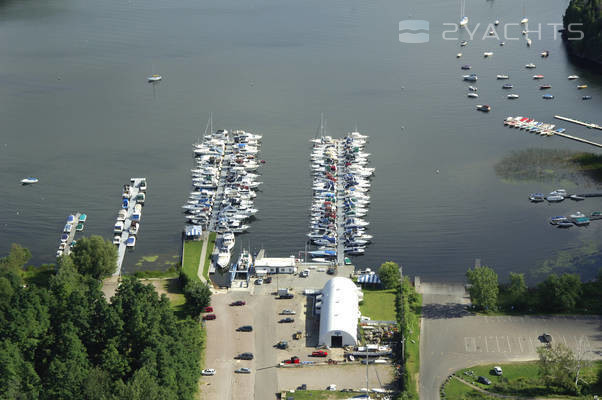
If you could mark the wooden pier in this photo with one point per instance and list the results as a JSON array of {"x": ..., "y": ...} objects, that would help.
[
  {"x": 575, "y": 121},
  {"x": 134, "y": 190},
  {"x": 578, "y": 139},
  {"x": 71, "y": 236},
  {"x": 340, "y": 191}
]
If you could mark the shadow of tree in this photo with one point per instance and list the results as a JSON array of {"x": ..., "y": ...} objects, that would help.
[{"x": 447, "y": 310}]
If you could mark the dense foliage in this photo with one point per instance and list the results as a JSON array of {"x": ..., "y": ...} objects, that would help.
[
  {"x": 389, "y": 275},
  {"x": 484, "y": 287},
  {"x": 197, "y": 294},
  {"x": 67, "y": 342},
  {"x": 587, "y": 13},
  {"x": 95, "y": 257},
  {"x": 408, "y": 309}
]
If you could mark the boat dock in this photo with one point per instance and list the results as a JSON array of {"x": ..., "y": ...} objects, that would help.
[
  {"x": 340, "y": 191},
  {"x": 122, "y": 246},
  {"x": 575, "y": 121},
  {"x": 578, "y": 139},
  {"x": 543, "y": 129},
  {"x": 224, "y": 168},
  {"x": 70, "y": 237}
]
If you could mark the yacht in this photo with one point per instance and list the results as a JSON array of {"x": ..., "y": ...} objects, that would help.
[
  {"x": 29, "y": 181},
  {"x": 223, "y": 258},
  {"x": 502, "y": 77},
  {"x": 472, "y": 88},
  {"x": 228, "y": 240},
  {"x": 472, "y": 95},
  {"x": 530, "y": 66},
  {"x": 130, "y": 242},
  {"x": 538, "y": 76},
  {"x": 573, "y": 77},
  {"x": 484, "y": 108},
  {"x": 512, "y": 96},
  {"x": 487, "y": 54},
  {"x": 470, "y": 78},
  {"x": 154, "y": 78},
  {"x": 507, "y": 86}
]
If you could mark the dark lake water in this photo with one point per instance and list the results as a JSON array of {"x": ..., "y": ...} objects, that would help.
[{"x": 77, "y": 113}]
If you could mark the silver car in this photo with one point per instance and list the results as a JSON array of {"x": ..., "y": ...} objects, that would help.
[{"x": 243, "y": 371}]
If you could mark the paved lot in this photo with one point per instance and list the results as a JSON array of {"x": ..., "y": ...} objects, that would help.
[
  {"x": 344, "y": 376},
  {"x": 452, "y": 338}
]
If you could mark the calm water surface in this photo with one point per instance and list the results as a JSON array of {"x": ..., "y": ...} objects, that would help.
[{"x": 77, "y": 113}]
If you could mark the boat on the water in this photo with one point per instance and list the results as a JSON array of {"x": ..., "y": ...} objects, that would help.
[
  {"x": 586, "y": 98},
  {"x": 79, "y": 227},
  {"x": 472, "y": 95},
  {"x": 554, "y": 198},
  {"x": 557, "y": 220},
  {"x": 576, "y": 197},
  {"x": 573, "y": 77},
  {"x": 154, "y": 78},
  {"x": 530, "y": 66},
  {"x": 459, "y": 55},
  {"x": 502, "y": 77},
  {"x": 545, "y": 54},
  {"x": 582, "y": 87},
  {"x": 463, "y": 43},
  {"x": 536, "y": 197},
  {"x": 483, "y": 107},
  {"x": 465, "y": 67},
  {"x": 507, "y": 86},
  {"x": 512, "y": 96},
  {"x": 470, "y": 78},
  {"x": 497, "y": 22},
  {"x": 538, "y": 76},
  {"x": 487, "y": 54},
  {"x": 82, "y": 218},
  {"x": 548, "y": 96},
  {"x": 29, "y": 180},
  {"x": 472, "y": 88},
  {"x": 545, "y": 86},
  {"x": 131, "y": 242}
]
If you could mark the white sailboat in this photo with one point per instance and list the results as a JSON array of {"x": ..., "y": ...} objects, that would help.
[
  {"x": 525, "y": 19},
  {"x": 464, "y": 18}
]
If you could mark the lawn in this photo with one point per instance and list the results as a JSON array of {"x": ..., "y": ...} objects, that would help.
[
  {"x": 412, "y": 347},
  {"x": 192, "y": 258},
  {"x": 210, "y": 247},
  {"x": 456, "y": 390},
  {"x": 379, "y": 305}
]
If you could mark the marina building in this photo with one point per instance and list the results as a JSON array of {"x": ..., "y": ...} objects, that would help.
[
  {"x": 274, "y": 265},
  {"x": 339, "y": 313}
]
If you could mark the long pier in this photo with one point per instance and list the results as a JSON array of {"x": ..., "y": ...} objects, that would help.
[
  {"x": 134, "y": 190},
  {"x": 340, "y": 191},
  {"x": 590, "y": 125},
  {"x": 71, "y": 235},
  {"x": 578, "y": 139}
]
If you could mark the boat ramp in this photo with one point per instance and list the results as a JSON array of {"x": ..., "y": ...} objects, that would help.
[{"x": 128, "y": 219}]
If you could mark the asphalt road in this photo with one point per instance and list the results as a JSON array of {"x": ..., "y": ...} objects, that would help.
[{"x": 451, "y": 338}]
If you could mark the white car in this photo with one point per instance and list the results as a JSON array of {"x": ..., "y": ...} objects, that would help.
[
  {"x": 332, "y": 387},
  {"x": 288, "y": 312},
  {"x": 497, "y": 370},
  {"x": 208, "y": 372},
  {"x": 243, "y": 371}
]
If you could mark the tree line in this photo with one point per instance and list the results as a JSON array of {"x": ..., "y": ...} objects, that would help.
[
  {"x": 556, "y": 294},
  {"x": 63, "y": 340},
  {"x": 587, "y": 13}
]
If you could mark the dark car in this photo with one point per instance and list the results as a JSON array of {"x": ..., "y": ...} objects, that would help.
[
  {"x": 268, "y": 280},
  {"x": 209, "y": 316},
  {"x": 331, "y": 271},
  {"x": 546, "y": 338},
  {"x": 245, "y": 328},
  {"x": 286, "y": 296},
  {"x": 286, "y": 320},
  {"x": 283, "y": 344},
  {"x": 483, "y": 380},
  {"x": 302, "y": 387},
  {"x": 238, "y": 303},
  {"x": 244, "y": 356}
]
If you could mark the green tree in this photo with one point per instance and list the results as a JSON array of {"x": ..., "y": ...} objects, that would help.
[
  {"x": 557, "y": 367},
  {"x": 18, "y": 379},
  {"x": 198, "y": 296},
  {"x": 94, "y": 256},
  {"x": 517, "y": 291},
  {"x": 559, "y": 293},
  {"x": 484, "y": 287},
  {"x": 388, "y": 273}
]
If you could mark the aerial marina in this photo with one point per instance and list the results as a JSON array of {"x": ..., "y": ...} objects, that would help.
[
  {"x": 129, "y": 216},
  {"x": 75, "y": 223},
  {"x": 543, "y": 129}
]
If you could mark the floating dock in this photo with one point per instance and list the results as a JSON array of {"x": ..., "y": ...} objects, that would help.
[
  {"x": 544, "y": 129},
  {"x": 71, "y": 236},
  {"x": 578, "y": 139},
  {"x": 576, "y": 121},
  {"x": 134, "y": 190}
]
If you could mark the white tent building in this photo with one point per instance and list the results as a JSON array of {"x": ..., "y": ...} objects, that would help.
[{"x": 339, "y": 313}]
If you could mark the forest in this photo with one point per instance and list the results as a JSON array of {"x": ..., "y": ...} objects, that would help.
[
  {"x": 61, "y": 339},
  {"x": 587, "y": 13}
]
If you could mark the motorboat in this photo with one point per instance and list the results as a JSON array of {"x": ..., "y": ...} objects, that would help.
[
  {"x": 512, "y": 96},
  {"x": 464, "y": 21},
  {"x": 536, "y": 197},
  {"x": 82, "y": 218},
  {"x": 116, "y": 240},
  {"x": 79, "y": 227},
  {"x": 29, "y": 180},
  {"x": 586, "y": 98},
  {"x": 573, "y": 77},
  {"x": 68, "y": 228},
  {"x": 557, "y": 220},
  {"x": 507, "y": 86},
  {"x": 545, "y": 54},
  {"x": 502, "y": 43},
  {"x": 554, "y": 198},
  {"x": 538, "y": 76},
  {"x": 223, "y": 258},
  {"x": 465, "y": 67},
  {"x": 524, "y": 21},
  {"x": 545, "y": 86},
  {"x": 491, "y": 32},
  {"x": 154, "y": 78},
  {"x": 484, "y": 107},
  {"x": 459, "y": 55},
  {"x": 497, "y": 22},
  {"x": 502, "y": 77},
  {"x": 582, "y": 87},
  {"x": 576, "y": 197},
  {"x": 118, "y": 228},
  {"x": 472, "y": 89},
  {"x": 548, "y": 96},
  {"x": 529, "y": 42},
  {"x": 134, "y": 227},
  {"x": 130, "y": 242},
  {"x": 470, "y": 78},
  {"x": 472, "y": 95},
  {"x": 530, "y": 66},
  {"x": 487, "y": 54},
  {"x": 564, "y": 224},
  {"x": 463, "y": 43}
]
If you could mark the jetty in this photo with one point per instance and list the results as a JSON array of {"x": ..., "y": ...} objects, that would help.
[
  {"x": 578, "y": 139},
  {"x": 138, "y": 185},
  {"x": 340, "y": 216},
  {"x": 546, "y": 129},
  {"x": 590, "y": 125},
  {"x": 65, "y": 247}
]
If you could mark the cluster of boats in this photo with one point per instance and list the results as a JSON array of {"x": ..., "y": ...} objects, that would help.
[
  {"x": 555, "y": 196},
  {"x": 577, "y": 219},
  {"x": 530, "y": 125},
  {"x": 129, "y": 216},
  {"x": 75, "y": 223},
  {"x": 341, "y": 181},
  {"x": 224, "y": 182}
]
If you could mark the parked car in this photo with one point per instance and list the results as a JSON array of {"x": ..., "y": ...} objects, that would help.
[
  {"x": 331, "y": 271},
  {"x": 546, "y": 338},
  {"x": 268, "y": 280},
  {"x": 209, "y": 316},
  {"x": 208, "y": 309},
  {"x": 332, "y": 387},
  {"x": 238, "y": 303},
  {"x": 319, "y": 353},
  {"x": 243, "y": 371},
  {"x": 286, "y": 296},
  {"x": 286, "y": 320},
  {"x": 497, "y": 371},
  {"x": 245, "y": 328},
  {"x": 483, "y": 380},
  {"x": 304, "y": 273},
  {"x": 259, "y": 281},
  {"x": 292, "y": 360},
  {"x": 208, "y": 372},
  {"x": 244, "y": 356},
  {"x": 286, "y": 311},
  {"x": 283, "y": 345},
  {"x": 302, "y": 387}
]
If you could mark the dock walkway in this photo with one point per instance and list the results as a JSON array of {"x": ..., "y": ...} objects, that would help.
[
  {"x": 134, "y": 190},
  {"x": 578, "y": 139},
  {"x": 71, "y": 236},
  {"x": 590, "y": 125},
  {"x": 340, "y": 191}
]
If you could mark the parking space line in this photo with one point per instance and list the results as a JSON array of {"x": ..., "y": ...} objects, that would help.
[
  {"x": 520, "y": 344},
  {"x": 486, "y": 345},
  {"x": 564, "y": 339},
  {"x": 531, "y": 341},
  {"x": 509, "y": 347},
  {"x": 498, "y": 344}
]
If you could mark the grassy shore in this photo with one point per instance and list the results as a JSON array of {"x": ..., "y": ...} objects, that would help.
[
  {"x": 379, "y": 304},
  {"x": 412, "y": 346},
  {"x": 210, "y": 246},
  {"x": 192, "y": 258}
]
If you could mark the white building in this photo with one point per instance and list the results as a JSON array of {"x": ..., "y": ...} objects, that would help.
[
  {"x": 275, "y": 265},
  {"x": 339, "y": 312}
]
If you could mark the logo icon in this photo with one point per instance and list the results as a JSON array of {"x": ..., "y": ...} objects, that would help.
[{"x": 413, "y": 31}]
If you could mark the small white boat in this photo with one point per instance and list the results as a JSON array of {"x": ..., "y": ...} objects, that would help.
[
  {"x": 524, "y": 21},
  {"x": 463, "y": 43},
  {"x": 487, "y": 54},
  {"x": 503, "y": 77},
  {"x": 529, "y": 42},
  {"x": 458, "y": 55},
  {"x": 116, "y": 240},
  {"x": 473, "y": 95},
  {"x": 154, "y": 78},
  {"x": 472, "y": 88},
  {"x": 491, "y": 32},
  {"x": 502, "y": 43},
  {"x": 29, "y": 180},
  {"x": 497, "y": 22},
  {"x": 512, "y": 96},
  {"x": 464, "y": 21},
  {"x": 572, "y": 77},
  {"x": 131, "y": 242},
  {"x": 530, "y": 66}
]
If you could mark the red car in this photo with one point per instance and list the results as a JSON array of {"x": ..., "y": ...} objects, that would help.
[
  {"x": 292, "y": 360},
  {"x": 208, "y": 309},
  {"x": 319, "y": 353},
  {"x": 209, "y": 316},
  {"x": 238, "y": 303}
]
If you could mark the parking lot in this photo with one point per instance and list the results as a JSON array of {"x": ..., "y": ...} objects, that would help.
[
  {"x": 452, "y": 338},
  {"x": 263, "y": 311}
]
